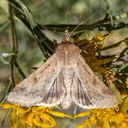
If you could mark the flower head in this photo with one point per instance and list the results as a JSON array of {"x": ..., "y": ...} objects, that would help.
[{"x": 32, "y": 116}]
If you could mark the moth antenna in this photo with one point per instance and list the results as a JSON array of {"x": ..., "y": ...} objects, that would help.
[{"x": 69, "y": 34}]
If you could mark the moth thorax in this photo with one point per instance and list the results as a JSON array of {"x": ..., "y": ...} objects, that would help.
[{"x": 66, "y": 104}]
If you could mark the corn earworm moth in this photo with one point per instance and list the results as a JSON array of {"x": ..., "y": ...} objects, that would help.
[{"x": 63, "y": 78}]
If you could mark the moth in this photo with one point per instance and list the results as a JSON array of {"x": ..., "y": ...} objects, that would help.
[{"x": 64, "y": 78}]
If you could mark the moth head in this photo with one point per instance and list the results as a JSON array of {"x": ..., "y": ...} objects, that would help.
[{"x": 68, "y": 46}]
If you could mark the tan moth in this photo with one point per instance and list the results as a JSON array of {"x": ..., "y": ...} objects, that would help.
[{"x": 64, "y": 78}]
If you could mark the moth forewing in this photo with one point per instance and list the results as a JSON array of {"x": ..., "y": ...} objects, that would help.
[
  {"x": 98, "y": 94},
  {"x": 43, "y": 82}
]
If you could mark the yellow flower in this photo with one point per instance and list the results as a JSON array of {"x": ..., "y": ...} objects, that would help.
[
  {"x": 32, "y": 116},
  {"x": 105, "y": 118}
]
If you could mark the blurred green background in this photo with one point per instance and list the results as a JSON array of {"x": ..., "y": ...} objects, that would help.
[{"x": 51, "y": 12}]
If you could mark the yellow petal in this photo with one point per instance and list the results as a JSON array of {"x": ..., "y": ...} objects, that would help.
[
  {"x": 37, "y": 121},
  {"x": 124, "y": 125},
  {"x": 106, "y": 124},
  {"x": 124, "y": 106},
  {"x": 59, "y": 114},
  {"x": 22, "y": 125},
  {"x": 120, "y": 117},
  {"x": 7, "y": 106},
  {"x": 82, "y": 114},
  {"x": 100, "y": 37},
  {"x": 23, "y": 110},
  {"x": 92, "y": 119},
  {"x": 81, "y": 126},
  {"x": 114, "y": 126},
  {"x": 24, "y": 117},
  {"x": 29, "y": 119},
  {"x": 38, "y": 109},
  {"x": 47, "y": 118},
  {"x": 30, "y": 116},
  {"x": 14, "y": 119}
]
